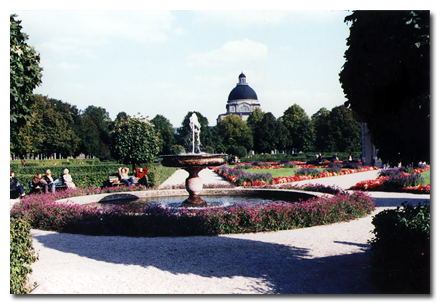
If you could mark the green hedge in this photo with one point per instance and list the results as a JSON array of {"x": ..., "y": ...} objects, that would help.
[
  {"x": 400, "y": 250},
  {"x": 22, "y": 255},
  {"x": 93, "y": 175}
]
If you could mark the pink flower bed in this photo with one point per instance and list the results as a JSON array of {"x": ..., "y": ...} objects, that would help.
[
  {"x": 378, "y": 184},
  {"x": 297, "y": 178},
  {"x": 290, "y": 179}
]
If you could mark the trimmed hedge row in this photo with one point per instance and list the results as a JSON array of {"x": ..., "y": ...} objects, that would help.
[
  {"x": 400, "y": 250},
  {"x": 94, "y": 175},
  {"x": 22, "y": 255}
]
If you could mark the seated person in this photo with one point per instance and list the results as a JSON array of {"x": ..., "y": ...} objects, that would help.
[
  {"x": 39, "y": 182},
  {"x": 123, "y": 176},
  {"x": 52, "y": 181},
  {"x": 15, "y": 185},
  {"x": 141, "y": 173},
  {"x": 68, "y": 179}
]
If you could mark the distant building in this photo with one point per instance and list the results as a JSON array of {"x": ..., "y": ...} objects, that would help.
[{"x": 241, "y": 101}]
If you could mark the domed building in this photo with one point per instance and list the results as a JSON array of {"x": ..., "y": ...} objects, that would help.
[{"x": 241, "y": 101}]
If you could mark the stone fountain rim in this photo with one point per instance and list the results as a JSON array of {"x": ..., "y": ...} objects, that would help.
[{"x": 108, "y": 197}]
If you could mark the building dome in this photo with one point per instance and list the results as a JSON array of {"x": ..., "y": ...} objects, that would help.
[
  {"x": 242, "y": 90},
  {"x": 242, "y": 100}
]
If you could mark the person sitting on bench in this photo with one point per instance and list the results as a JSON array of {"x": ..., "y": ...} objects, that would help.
[
  {"x": 123, "y": 176},
  {"x": 68, "y": 179},
  {"x": 39, "y": 182},
  {"x": 15, "y": 185},
  {"x": 141, "y": 173},
  {"x": 52, "y": 181}
]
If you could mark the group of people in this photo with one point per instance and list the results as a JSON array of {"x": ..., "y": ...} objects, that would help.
[
  {"x": 141, "y": 174},
  {"x": 43, "y": 182},
  {"x": 50, "y": 181}
]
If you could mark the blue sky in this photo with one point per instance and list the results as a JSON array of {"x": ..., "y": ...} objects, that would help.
[{"x": 172, "y": 62}]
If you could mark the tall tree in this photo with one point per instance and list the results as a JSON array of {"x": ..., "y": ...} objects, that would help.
[
  {"x": 386, "y": 80},
  {"x": 234, "y": 133},
  {"x": 270, "y": 134},
  {"x": 25, "y": 74},
  {"x": 299, "y": 126},
  {"x": 95, "y": 136},
  {"x": 166, "y": 133},
  {"x": 344, "y": 130},
  {"x": 321, "y": 131},
  {"x": 50, "y": 129},
  {"x": 135, "y": 141}
]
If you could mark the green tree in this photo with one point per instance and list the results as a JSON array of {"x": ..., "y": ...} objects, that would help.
[
  {"x": 386, "y": 80},
  {"x": 300, "y": 128},
  {"x": 95, "y": 132},
  {"x": 234, "y": 133},
  {"x": 321, "y": 131},
  {"x": 51, "y": 129},
  {"x": 25, "y": 74},
  {"x": 166, "y": 133},
  {"x": 270, "y": 134},
  {"x": 135, "y": 141},
  {"x": 58, "y": 128},
  {"x": 344, "y": 130}
]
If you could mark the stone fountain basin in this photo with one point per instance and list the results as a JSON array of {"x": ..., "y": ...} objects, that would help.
[
  {"x": 193, "y": 160},
  {"x": 290, "y": 195}
]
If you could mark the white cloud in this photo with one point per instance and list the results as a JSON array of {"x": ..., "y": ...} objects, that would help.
[{"x": 232, "y": 51}]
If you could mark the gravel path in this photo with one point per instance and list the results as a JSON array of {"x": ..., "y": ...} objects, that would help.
[{"x": 318, "y": 260}]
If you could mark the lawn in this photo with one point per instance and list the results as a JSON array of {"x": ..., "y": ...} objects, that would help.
[
  {"x": 278, "y": 172},
  {"x": 426, "y": 177}
]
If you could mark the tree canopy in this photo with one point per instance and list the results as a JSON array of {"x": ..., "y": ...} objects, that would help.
[
  {"x": 386, "y": 80},
  {"x": 166, "y": 133},
  {"x": 135, "y": 141},
  {"x": 270, "y": 134},
  {"x": 25, "y": 73},
  {"x": 300, "y": 128},
  {"x": 234, "y": 133}
]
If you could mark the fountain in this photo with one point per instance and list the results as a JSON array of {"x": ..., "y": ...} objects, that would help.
[{"x": 193, "y": 163}]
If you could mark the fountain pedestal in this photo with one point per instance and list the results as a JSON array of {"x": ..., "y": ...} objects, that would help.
[
  {"x": 194, "y": 186},
  {"x": 193, "y": 164}
]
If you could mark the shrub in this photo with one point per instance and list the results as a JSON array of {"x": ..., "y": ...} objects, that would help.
[
  {"x": 22, "y": 255},
  {"x": 400, "y": 181},
  {"x": 400, "y": 249},
  {"x": 336, "y": 170},
  {"x": 308, "y": 171},
  {"x": 353, "y": 165}
]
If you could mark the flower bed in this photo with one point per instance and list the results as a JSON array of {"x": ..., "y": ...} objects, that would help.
[
  {"x": 396, "y": 180},
  {"x": 242, "y": 178},
  {"x": 43, "y": 212}
]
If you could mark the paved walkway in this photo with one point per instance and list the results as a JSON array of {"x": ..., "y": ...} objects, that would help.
[{"x": 327, "y": 259}]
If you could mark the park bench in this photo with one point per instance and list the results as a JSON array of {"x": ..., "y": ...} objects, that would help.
[
  {"x": 14, "y": 193},
  {"x": 114, "y": 180},
  {"x": 39, "y": 189}
]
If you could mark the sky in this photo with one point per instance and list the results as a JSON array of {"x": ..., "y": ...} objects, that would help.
[{"x": 170, "y": 62}]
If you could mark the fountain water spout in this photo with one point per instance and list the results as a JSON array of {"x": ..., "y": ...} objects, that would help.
[{"x": 195, "y": 128}]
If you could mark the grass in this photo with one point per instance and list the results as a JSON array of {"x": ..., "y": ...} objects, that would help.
[{"x": 426, "y": 177}]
